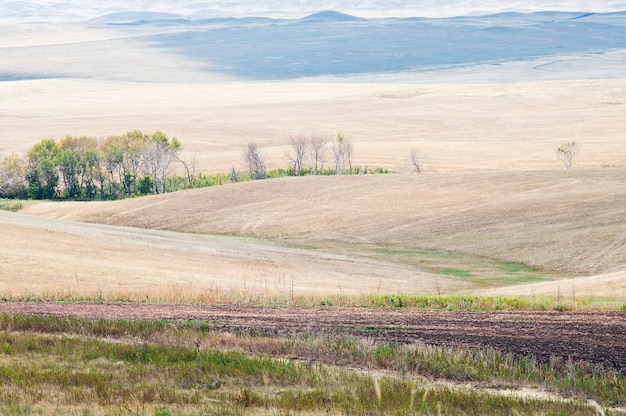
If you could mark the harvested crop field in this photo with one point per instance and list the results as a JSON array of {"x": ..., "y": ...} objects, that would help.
[{"x": 595, "y": 337}]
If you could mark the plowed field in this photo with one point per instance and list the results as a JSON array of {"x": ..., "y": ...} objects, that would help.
[{"x": 595, "y": 337}]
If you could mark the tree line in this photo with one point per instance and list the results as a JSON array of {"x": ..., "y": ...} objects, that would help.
[
  {"x": 307, "y": 156},
  {"x": 86, "y": 168},
  {"x": 137, "y": 164}
]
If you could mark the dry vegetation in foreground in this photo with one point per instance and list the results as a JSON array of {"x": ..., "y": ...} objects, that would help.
[{"x": 57, "y": 366}]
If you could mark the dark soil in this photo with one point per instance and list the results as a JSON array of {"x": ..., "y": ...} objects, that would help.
[{"x": 595, "y": 337}]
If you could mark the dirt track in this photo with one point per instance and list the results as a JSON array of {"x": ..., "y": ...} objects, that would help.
[{"x": 596, "y": 337}]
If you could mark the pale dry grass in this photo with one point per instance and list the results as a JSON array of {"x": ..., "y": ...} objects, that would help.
[
  {"x": 568, "y": 221},
  {"x": 456, "y": 127},
  {"x": 606, "y": 285},
  {"x": 494, "y": 187},
  {"x": 42, "y": 257}
]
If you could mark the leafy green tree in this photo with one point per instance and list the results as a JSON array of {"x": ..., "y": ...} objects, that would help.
[
  {"x": 146, "y": 185},
  {"x": 134, "y": 150},
  {"x": 78, "y": 161},
  {"x": 43, "y": 175},
  {"x": 93, "y": 173},
  {"x": 112, "y": 151},
  {"x": 69, "y": 164},
  {"x": 84, "y": 167}
]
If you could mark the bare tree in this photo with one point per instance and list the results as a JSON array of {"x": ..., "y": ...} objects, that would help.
[
  {"x": 299, "y": 146},
  {"x": 12, "y": 177},
  {"x": 567, "y": 151},
  {"x": 416, "y": 161},
  {"x": 255, "y": 161},
  {"x": 338, "y": 157},
  {"x": 190, "y": 168},
  {"x": 317, "y": 153},
  {"x": 158, "y": 154},
  {"x": 234, "y": 175},
  {"x": 347, "y": 151},
  {"x": 342, "y": 154}
]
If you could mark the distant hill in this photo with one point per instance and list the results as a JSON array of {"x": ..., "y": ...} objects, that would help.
[
  {"x": 329, "y": 16},
  {"x": 136, "y": 17}
]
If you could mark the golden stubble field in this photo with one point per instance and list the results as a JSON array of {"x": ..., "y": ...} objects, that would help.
[{"x": 493, "y": 187}]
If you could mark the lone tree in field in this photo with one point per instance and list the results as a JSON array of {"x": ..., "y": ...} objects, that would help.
[
  {"x": 255, "y": 161},
  {"x": 567, "y": 151},
  {"x": 416, "y": 161}
]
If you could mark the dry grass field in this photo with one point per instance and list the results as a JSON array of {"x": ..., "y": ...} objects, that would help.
[
  {"x": 557, "y": 221},
  {"x": 456, "y": 127},
  {"x": 494, "y": 216},
  {"x": 493, "y": 194},
  {"x": 46, "y": 257}
]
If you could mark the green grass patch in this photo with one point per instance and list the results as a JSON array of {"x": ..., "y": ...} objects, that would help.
[
  {"x": 513, "y": 280},
  {"x": 512, "y": 267},
  {"x": 479, "y": 303},
  {"x": 397, "y": 300},
  {"x": 11, "y": 204},
  {"x": 456, "y": 273},
  {"x": 484, "y": 272}
]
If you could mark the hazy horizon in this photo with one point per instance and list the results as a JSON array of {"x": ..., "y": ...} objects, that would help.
[
  {"x": 176, "y": 40},
  {"x": 80, "y": 11}
]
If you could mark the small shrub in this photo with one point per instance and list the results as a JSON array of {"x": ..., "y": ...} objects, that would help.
[{"x": 11, "y": 205}]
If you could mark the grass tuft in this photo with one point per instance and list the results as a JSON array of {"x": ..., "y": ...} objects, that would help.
[{"x": 11, "y": 205}]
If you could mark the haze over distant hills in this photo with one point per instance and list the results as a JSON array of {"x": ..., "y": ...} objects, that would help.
[
  {"x": 79, "y": 10},
  {"x": 337, "y": 44},
  {"x": 243, "y": 43}
]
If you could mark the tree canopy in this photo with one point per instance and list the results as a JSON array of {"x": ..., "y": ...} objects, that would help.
[{"x": 87, "y": 168}]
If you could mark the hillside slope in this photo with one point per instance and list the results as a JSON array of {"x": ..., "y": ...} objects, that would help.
[
  {"x": 53, "y": 257},
  {"x": 562, "y": 221}
]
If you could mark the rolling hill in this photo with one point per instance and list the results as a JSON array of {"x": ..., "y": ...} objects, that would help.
[
  {"x": 45, "y": 257},
  {"x": 563, "y": 223}
]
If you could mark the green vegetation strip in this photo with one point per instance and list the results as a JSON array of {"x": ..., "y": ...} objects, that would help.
[
  {"x": 177, "y": 367},
  {"x": 483, "y": 272},
  {"x": 444, "y": 302}
]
